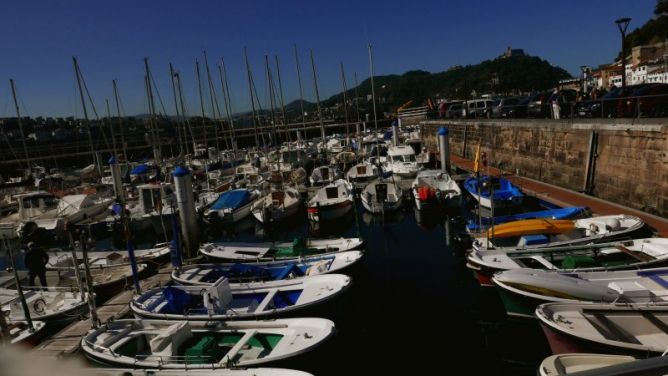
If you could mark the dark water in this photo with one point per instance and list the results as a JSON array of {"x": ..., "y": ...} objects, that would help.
[{"x": 413, "y": 307}]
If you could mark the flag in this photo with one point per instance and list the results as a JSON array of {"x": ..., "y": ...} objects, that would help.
[{"x": 476, "y": 161}]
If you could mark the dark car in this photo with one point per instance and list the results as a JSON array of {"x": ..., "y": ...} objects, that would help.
[
  {"x": 566, "y": 98},
  {"x": 455, "y": 111},
  {"x": 611, "y": 105},
  {"x": 506, "y": 107},
  {"x": 648, "y": 101},
  {"x": 538, "y": 105}
]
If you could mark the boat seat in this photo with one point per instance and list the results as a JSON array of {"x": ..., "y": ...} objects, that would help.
[
  {"x": 168, "y": 342},
  {"x": 220, "y": 293}
]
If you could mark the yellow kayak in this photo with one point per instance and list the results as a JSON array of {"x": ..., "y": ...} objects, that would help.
[{"x": 531, "y": 227}]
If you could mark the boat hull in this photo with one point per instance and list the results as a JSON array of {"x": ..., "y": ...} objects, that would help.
[{"x": 329, "y": 212}]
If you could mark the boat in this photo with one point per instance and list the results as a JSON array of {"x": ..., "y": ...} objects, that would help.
[
  {"x": 277, "y": 205},
  {"x": 621, "y": 255},
  {"x": 331, "y": 202},
  {"x": 192, "y": 345},
  {"x": 505, "y": 193},
  {"x": 221, "y": 301},
  {"x": 194, "y": 372},
  {"x": 52, "y": 307},
  {"x": 233, "y": 206},
  {"x": 248, "y": 176},
  {"x": 522, "y": 290},
  {"x": 151, "y": 256},
  {"x": 559, "y": 213},
  {"x": 401, "y": 161},
  {"x": 297, "y": 249},
  {"x": 362, "y": 172},
  {"x": 381, "y": 196},
  {"x": 542, "y": 233},
  {"x": 20, "y": 333},
  {"x": 324, "y": 175},
  {"x": 626, "y": 329},
  {"x": 435, "y": 188},
  {"x": 207, "y": 274},
  {"x": 592, "y": 364}
]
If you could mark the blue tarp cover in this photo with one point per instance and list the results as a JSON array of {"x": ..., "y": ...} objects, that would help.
[
  {"x": 139, "y": 170},
  {"x": 232, "y": 199}
]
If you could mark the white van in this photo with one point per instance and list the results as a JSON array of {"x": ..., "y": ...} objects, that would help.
[{"x": 479, "y": 108}]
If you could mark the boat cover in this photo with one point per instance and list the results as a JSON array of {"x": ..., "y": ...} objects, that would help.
[
  {"x": 139, "y": 170},
  {"x": 232, "y": 199}
]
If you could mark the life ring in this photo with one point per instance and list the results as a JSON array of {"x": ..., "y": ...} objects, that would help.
[{"x": 39, "y": 306}]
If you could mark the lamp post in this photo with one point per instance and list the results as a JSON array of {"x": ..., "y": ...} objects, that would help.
[{"x": 622, "y": 25}]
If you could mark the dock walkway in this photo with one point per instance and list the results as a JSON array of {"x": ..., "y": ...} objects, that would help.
[
  {"x": 566, "y": 197},
  {"x": 66, "y": 342}
]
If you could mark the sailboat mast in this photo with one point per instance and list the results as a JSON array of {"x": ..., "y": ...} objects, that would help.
[
  {"x": 152, "y": 122},
  {"x": 317, "y": 98},
  {"x": 345, "y": 100},
  {"x": 250, "y": 89},
  {"x": 373, "y": 98},
  {"x": 189, "y": 129},
  {"x": 280, "y": 91},
  {"x": 222, "y": 70},
  {"x": 18, "y": 118},
  {"x": 77, "y": 72},
  {"x": 201, "y": 102},
  {"x": 111, "y": 127},
  {"x": 215, "y": 110},
  {"x": 179, "y": 126},
  {"x": 120, "y": 121},
  {"x": 357, "y": 99},
  {"x": 301, "y": 89},
  {"x": 270, "y": 87}
]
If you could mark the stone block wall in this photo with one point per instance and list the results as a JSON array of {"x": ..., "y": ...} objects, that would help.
[{"x": 630, "y": 167}]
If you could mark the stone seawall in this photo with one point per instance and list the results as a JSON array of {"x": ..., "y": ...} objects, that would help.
[{"x": 619, "y": 160}]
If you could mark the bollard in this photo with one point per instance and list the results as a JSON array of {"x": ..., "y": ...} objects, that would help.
[
  {"x": 395, "y": 133},
  {"x": 186, "y": 203},
  {"x": 117, "y": 179},
  {"x": 444, "y": 148}
]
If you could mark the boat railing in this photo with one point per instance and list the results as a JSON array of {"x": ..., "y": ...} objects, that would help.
[{"x": 179, "y": 359}]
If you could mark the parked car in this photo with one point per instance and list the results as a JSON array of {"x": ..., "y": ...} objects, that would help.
[
  {"x": 479, "y": 108},
  {"x": 612, "y": 104},
  {"x": 566, "y": 98},
  {"x": 538, "y": 105},
  {"x": 648, "y": 101},
  {"x": 455, "y": 111},
  {"x": 506, "y": 107}
]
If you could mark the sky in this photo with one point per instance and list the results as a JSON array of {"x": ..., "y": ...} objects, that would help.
[{"x": 111, "y": 38}]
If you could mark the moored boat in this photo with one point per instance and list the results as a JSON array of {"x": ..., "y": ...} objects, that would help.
[
  {"x": 500, "y": 191},
  {"x": 297, "y": 249},
  {"x": 331, "y": 202},
  {"x": 435, "y": 188},
  {"x": 233, "y": 206},
  {"x": 381, "y": 196},
  {"x": 585, "y": 364}
]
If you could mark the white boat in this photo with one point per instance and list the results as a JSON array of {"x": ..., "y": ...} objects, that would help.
[
  {"x": 202, "y": 345},
  {"x": 233, "y": 206},
  {"x": 542, "y": 233},
  {"x": 277, "y": 205},
  {"x": 207, "y": 274},
  {"x": 52, "y": 307},
  {"x": 21, "y": 334},
  {"x": 522, "y": 290},
  {"x": 248, "y": 176},
  {"x": 629, "y": 329},
  {"x": 194, "y": 372},
  {"x": 382, "y": 196},
  {"x": 153, "y": 208},
  {"x": 571, "y": 363},
  {"x": 324, "y": 175},
  {"x": 331, "y": 202},
  {"x": 401, "y": 161},
  {"x": 362, "y": 172},
  {"x": 51, "y": 213},
  {"x": 221, "y": 301},
  {"x": 434, "y": 187},
  {"x": 297, "y": 249},
  {"x": 629, "y": 254}
]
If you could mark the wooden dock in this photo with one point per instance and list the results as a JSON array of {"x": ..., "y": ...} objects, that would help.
[
  {"x": 566, "y": 197},
  {"x": 66, "y": 342}
]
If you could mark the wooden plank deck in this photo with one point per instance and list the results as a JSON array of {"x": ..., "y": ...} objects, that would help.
[
  {"x": 565, "y": 197},
  {"x": 66, "y": 341}
]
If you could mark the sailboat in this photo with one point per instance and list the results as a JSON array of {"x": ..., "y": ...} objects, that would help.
[
  {"x": 331, "y": 202},
  {"x": 382, "y": 196},
  {"x": 277, "y": 205}
]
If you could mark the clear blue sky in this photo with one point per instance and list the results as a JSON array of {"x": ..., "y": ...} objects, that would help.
[{"x": 110, "y": 39}]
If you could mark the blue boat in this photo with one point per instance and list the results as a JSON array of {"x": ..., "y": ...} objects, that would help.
[
  {"x": 505, "y": 193},
  {"x": 233, "y": 206},
  {"x": 560, "y": 213},
  {"x": 208, "y": 274}
]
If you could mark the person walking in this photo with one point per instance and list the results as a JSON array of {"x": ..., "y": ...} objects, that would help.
[{"x": 36, "y": 260}]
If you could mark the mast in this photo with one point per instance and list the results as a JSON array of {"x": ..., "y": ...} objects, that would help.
[
  {"x": 317, "y": 98},
  {"x": 201, "y": 102},
  {"x": 214, "y": 105},
  {"x": 120, "y": 121},
  {"x": 301, "y": 89},
  {"x": 179, "y": 86},
  {"x": 345, "y": 100},
  {"x": 250, "y": 88},
  {"x": 111, "y": 127},
  {"x": 18, "y": 117},
  {"x": 180, "y": 125},
  {"x": 152, "y": 123},
  {"x": 77, "y": 72},
  {"x": 280, "y": 91},
  {"x": 357, "y": 99},
  {"x": 373, "y": 93},
  {"x": 222, "y": 71},
  {"x": 270, "y": 87}
]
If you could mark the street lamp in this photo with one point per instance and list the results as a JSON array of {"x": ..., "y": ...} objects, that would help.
[
  {"x": 583, "y": 68},
  {"x": 622, "y": 24}
]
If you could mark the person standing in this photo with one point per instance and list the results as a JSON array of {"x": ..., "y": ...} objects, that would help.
[{"x": 36, "y": 260}]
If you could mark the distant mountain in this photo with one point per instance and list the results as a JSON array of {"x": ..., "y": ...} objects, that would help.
[
  {"x": 294, "y": 106},
  {"x": 504, "y": 75}
]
